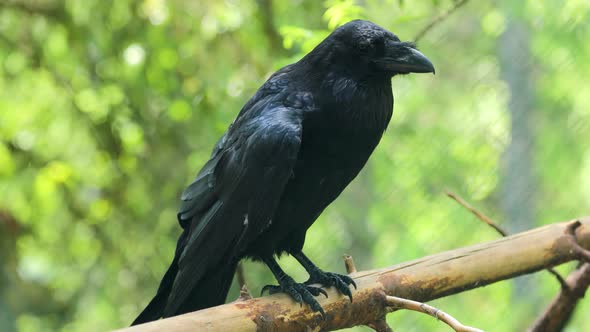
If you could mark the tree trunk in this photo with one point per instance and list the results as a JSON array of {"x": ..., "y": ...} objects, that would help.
[{"x": 518, "y": 183}]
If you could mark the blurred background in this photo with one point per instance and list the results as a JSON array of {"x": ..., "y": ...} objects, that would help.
[{"x": 109, "y": 108}]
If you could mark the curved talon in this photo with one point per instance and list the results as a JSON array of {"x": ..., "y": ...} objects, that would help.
[
  {"x": 316, "y": 291},
  {"x": 347, "y": 292},
  {"x": 353, "y": 283},
  {"x": 339, "y": 281},
  {"x": 296, "y": 296},
  {"x": 348, "y": 280},
  {"x": 318, "y": 308},
  {"x": 300, "y": 293}
]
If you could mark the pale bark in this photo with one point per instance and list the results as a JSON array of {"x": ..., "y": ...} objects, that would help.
[{"x": 422, "y": 280}]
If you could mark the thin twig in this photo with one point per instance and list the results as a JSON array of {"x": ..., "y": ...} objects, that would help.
[
  {"x": 441, "y": 17},
  {"x": 564, "y": 285},
  {"x": 478, "y": 214},
  {"x": 349, "y": 264},
  {"x": 399, "y": 303},
  {"x": 498, "y": 229},
  {"x": 244, "y": 293},
  {"x": 240, "y": 275}
]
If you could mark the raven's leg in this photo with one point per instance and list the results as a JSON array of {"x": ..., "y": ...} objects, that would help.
[
  {"x": 317, "y": 276},
  {"x": 301, "y": 293}
]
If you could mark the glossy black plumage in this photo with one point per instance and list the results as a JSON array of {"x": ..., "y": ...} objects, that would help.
[{"x": 295, "y": 145}]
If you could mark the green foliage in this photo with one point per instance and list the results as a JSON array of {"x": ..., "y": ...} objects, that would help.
[{"x": 108, "y": 108}]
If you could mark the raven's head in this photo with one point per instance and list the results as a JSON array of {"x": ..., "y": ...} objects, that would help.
[{"x": 367, "y": 47}]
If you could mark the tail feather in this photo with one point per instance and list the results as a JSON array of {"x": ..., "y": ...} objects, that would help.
[
  {"x": 155, "y": 308},
  {"x": 209, "y": 291}
]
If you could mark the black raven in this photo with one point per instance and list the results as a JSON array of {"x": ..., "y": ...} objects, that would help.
[{"x": 293, "y": 148}]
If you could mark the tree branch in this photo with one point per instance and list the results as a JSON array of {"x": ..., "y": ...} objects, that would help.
[
  {"x": 559, "y": 312},
  {"x": 498, "y": 229},
  {"x": 478, "y": 214},
  {"x": 399, "y": 303},
  {"x": 441, "y": 17},
  {"x": 241, "y": 276},
  {"x": 424, "y": 279},
  {"x": 349, "y": 264}
]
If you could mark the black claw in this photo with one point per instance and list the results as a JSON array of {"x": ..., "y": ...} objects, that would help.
[
  {"x": 272, "y": 289},
  {"x": 348, "y": 293},
  {"x": 339, "y": 281},
  {"x": 313, "y": 304},
  {"x": 300, "y": 293},
  {"x": 318, "y": 308},
  {"x": 316, "y": 291},
  {"x": 343, "y": 288},
  {"x": 296, "y": 296},
  {"x": 347, "y": 280}
]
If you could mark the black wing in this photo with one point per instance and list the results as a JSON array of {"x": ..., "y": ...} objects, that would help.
[{"x": 236, "y": 193}]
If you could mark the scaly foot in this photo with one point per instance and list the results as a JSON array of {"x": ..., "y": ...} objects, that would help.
[
  {"x": 301, "y": 293},
  {"x": 327, "y": 279}
]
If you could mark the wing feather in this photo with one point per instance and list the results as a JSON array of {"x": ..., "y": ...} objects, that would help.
[{"x": 236, "y": 194}]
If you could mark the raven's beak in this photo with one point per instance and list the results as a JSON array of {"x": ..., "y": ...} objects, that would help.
[
  {"x": 407, "y": 59},
  {"x": 414, "y": 62}
]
